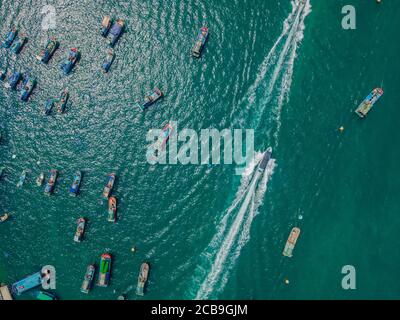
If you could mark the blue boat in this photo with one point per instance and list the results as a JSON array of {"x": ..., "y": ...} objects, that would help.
[
  {"x": 105, "y": 26},
  {"x": 13, "y": 80},
  {"x": 109, "y": 186},
  {"x": 27, "y": 283},
  {"x": 48, "y": 51},
  {"x": 48, "y": 106},
  {"x": 62, "y": 101},
  {"x": 51, "y": 183},
  {"x": 74, "y": 189},
  {"x": 109, "y": 60},
  {"x": 70, "y": 62},
  {"x": 365, "y": 107},
  {"x": 200, "y": 42},
  {"x": 151, "y": 98},
  {"x": 18, "y": 44},
  {"x": 46, "y": 296},
  {"x": 28, "y": 84},
  {"x": 10, "y": 37},
  {"x": 116, "y": 31}
]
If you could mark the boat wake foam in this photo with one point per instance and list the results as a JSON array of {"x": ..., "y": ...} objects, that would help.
[
  {"x": 233, "y": 233},
  {"x": 274, "y": 78}
]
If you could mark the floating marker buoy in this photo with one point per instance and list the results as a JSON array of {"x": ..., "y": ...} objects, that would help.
[
  {"x": 378, "y": 1},
  {"x": 287, "y": 281},
  {"x": 341, "y": 129},
  {"x": 133, "y": 249},
  {"x": 300, "y": 217},
  {"x": 38, "y": 162},
  {"x": 13, "y": 156}
]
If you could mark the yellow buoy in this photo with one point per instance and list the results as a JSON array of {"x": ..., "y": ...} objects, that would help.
[{"x": 133, "y": 249}]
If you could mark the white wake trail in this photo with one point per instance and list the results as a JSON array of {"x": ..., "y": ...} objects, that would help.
[{"x": 231, "y": 243}]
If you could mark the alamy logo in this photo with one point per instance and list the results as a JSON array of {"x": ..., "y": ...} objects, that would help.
[
  {"x": 49, "y": 20},
  {"x": 349, "y": 20},
  {"x": 204, "y": 148},
  {"x": 48, "y": 277},
  {"x": 349, "y": 280}
]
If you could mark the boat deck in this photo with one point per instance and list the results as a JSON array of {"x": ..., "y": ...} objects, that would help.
[{"x": 5, "y": 293}]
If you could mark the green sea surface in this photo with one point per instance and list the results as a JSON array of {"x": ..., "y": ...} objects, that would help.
[{"x": 287, "y": 70}]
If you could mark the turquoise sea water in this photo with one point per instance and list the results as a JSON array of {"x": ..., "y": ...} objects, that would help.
[{"x": 284, "y": 69}]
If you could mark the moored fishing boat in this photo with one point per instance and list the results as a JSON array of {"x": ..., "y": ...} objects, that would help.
[
  {"x": 291, "y": 242},
  {"x": 62, "y": 101},
  {"x": 28, "y": 84},
  {"x": 10, "y": 37},
  {"x": 45, "y": 295},
  {"x": 22, "y": 178},
  {"x": 369, "y": 102},
  {"x": 105, "y": 26},
  {"x": 109, "y": 186},
  {"x": 151, "y": 98},
  {"x": 80, "y": 230},
  {"x": 74, "y": 189},
  {"x": 49, "y": 189},
  {"x": 112, "y": 209},
  {"x": 28, "y": 283},
  {"x": 48, "y": 106},
  {"x": 40, "y": 179},
  {"x": 116, "y": 31},
  {"x": 104, "y": 270},
  {"x": 88, "y": 280},
  {"x": 109, "y": 60},
  {"x": 4, "y": 217},
  {"x": 163, "y": 138},
  {"x": 70, "y": 62},
  {"x": 142, "y": 279},
  {"x": 18, "y": 44},
  {"x": 13, "y": 80},
  {"x": 48, "y": 51},
  {"x": 200, "y": 42},
  {"x": 2, "y": 169}
]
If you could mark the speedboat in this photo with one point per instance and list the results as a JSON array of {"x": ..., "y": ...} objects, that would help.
[
  {"x": 265, "y": 160},
  {"x": 28, "y": 84},
  {"x": 49, "y": 189},
  {"x": 48, "y": 106},
  {"x": 88, "y": 280},
  {"x": 109, "y": 60},
  {"x": 142, "y": 279},
  {"x": 74, "y": 190},
  {"x": 151, "y": 98},
  {"x": 70, "y": 62},
  {"x": 369, "y": 102},
  {"x": 4, "y": 217},
  {"x": 109, "y": 186},
  {"x": 40, "y": 179},
  {"x": 80, "y": 229},
  {"x": 62, "y": 101},
  {"x": 13, "y": 80},
  {"x": 116, "y": 31},
  {"x": 21, "y": 179},
  {"x": 10, "y": 37},
  {"x": 163, "y": 138},
  {"x": 45, "y": 295},
  {"x": 48, "y": 51},
  {"x": 104, "y": 270},
  {"x": 18, "y": 44},
  {"x": 291, "y": 242},
  {"x": 200, "y": 42},
  {"x": 105, "y": 26},
  {"x": 112, "y": 209}
]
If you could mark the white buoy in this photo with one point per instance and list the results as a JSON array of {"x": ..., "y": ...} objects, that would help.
[
  {"x": 300, "y": 217},
  {"x": 14, "y": 156}
]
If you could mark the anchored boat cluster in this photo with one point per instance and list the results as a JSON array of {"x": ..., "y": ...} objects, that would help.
[{"x": 25, "y": 84}]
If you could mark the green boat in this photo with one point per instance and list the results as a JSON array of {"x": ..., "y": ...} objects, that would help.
[
  {"x": 105, "y": 270},
  {"x": 44, "y": 295}
]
